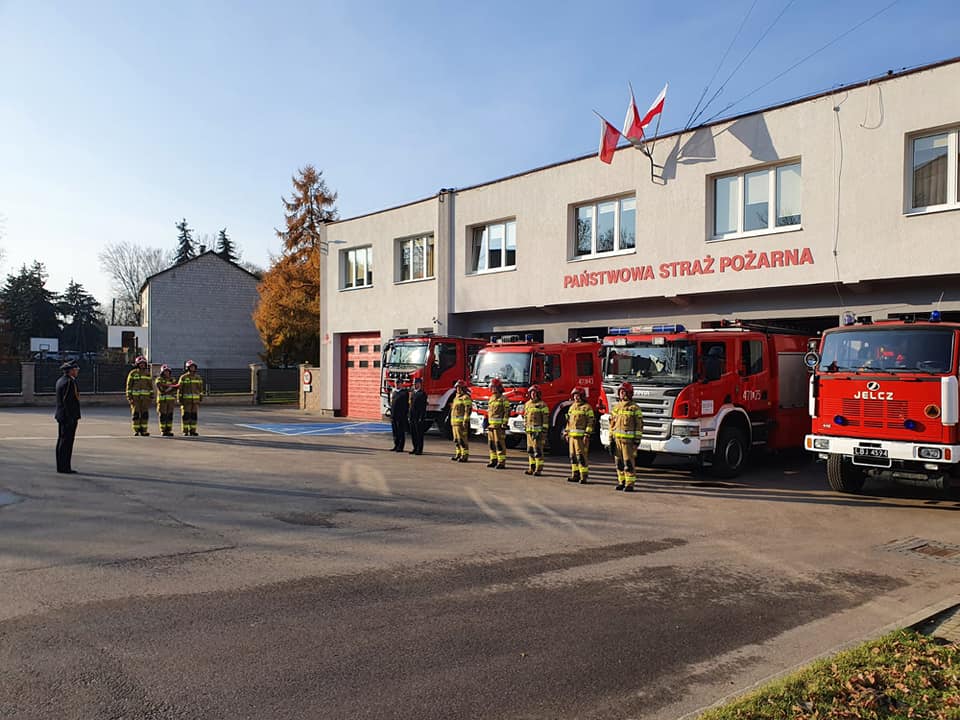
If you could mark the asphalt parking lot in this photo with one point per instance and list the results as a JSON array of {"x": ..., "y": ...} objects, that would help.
[{"x": 280, "y": 567}]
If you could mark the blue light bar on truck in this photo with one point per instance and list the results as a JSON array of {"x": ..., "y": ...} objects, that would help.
[{"x": 618, "y": 331}]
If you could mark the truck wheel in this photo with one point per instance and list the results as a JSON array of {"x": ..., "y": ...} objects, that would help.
[
  {"x": 645, "y": 458},
  {"x": 844, "y": 476},
  {"x": 557, "y": 444},
  {"x": 730, "y": 455}
]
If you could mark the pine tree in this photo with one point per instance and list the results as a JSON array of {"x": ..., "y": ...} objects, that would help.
[
  {"x": 84, "y": 328},
  {"x": 185, "y": 250},
  {"x": 225, "y": 247},
  {"x": 288, "y": 314},
  {"x": 29, "y": 307}
]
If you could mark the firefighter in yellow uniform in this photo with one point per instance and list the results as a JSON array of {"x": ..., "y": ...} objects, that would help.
[
  {"x": 460, "y": 410},
  {"x": 626, "y": 429},
  {"x": 578, "y": 433},
  {"x": 166, "y": 400},
  {"x": 189, "y": 396},
  {"x": 498, "y": 415},
  {"x": 536, "y": 421},
  {"x": 140, "y": 395}
]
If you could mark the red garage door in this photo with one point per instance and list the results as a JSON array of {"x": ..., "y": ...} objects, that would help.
[{"x": 361, "y": 375}]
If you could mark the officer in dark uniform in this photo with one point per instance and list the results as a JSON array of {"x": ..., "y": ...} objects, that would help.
[
  {"x": 399, "y": 410},
  {"x": 418, "y": 416},
  {"x": 67, "y": 415}
]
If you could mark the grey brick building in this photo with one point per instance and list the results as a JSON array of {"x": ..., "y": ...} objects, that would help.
[{"x": 201, "y": 310}]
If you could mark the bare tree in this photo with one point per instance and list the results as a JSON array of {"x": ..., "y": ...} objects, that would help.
[{"x": 128, "y": 266}]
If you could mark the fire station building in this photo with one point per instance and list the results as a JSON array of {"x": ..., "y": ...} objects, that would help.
[{"x": 844, "y": 201}]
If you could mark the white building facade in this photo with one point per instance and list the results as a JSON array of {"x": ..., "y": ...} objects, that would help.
[{"x": 847, "y": 201}]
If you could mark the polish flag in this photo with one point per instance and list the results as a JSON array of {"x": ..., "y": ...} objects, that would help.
[
  {"x": 609, "y": 137},
  {"x": 633, "y": 124}
]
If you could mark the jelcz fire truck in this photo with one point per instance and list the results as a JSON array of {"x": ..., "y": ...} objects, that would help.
[
  {"x": 710, "y": 394},
  {"x": 556, "y": 368},
  {"x": 884, "y": 402},
  {"x": 439, "y": 360}
]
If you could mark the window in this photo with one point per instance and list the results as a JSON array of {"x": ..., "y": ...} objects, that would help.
[
  {"x": 584, "y": 364},
  {"x": 934, "y": 177},
  {"x": 445, "y": 356},
  {"x": 357, "y": 267},
  {"x": 757, "y": 201},
  {"x": 494, "y": 247},
  {"x": 605, "y": 227},
  {"x": 415, "y": 256},
  {"x": 752, "y": 358}
]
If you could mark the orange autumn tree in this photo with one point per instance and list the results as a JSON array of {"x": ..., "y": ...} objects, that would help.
[{"x": 288, "y": 313}]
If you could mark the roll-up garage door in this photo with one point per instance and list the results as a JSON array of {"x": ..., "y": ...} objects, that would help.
[{"x": 361, "y": 375}]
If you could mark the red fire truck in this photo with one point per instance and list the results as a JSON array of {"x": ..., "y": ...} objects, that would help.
[
  {"x": 884, "y": 402},
  {"x": 439, "y": 360},
  {"x": 557, "y": 368},
  {"x": 711, "y": 394}
]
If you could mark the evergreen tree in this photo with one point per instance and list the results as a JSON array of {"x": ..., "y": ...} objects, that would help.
[
  {"x": 185, "y": 249},
  {"x": 225, "y": 247},
  {"x": 288, "y": 314},
  {"x": 84, "y": 328},
  {"x": 29, "y": 307}
]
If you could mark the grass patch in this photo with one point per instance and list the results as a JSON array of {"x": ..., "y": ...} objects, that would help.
[{"x": 901, "y": 675}]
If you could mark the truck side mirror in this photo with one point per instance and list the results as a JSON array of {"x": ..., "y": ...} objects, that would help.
[{"x": 435, "y": 371}]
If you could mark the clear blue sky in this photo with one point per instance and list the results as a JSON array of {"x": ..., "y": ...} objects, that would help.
[{"x": 119, "y": 118}]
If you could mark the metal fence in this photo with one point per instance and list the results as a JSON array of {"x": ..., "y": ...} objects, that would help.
[
  {"x": 278, "y": 385},
  {"x": 93, "y": 377},
  {"x": 224, "y": 381},
  {"x": 10, "y": 377}
]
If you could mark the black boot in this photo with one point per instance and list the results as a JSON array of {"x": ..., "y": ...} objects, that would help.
[
  {"x": 492, "y": 464},
  {"x": 575, "y": 477},
  {"x": 628, "y": 488},
  {"x": 620, "y": 486},
  {"x": 502, "y": 465}
]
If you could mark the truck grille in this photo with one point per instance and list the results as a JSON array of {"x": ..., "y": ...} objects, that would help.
[
  {"x": 874, "y": 413},
  {"x": 657, "y": 416},
  {"x": 480, "y": 405}
]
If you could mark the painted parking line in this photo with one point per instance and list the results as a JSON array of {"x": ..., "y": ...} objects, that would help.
[{"x": 317, "y": 429}]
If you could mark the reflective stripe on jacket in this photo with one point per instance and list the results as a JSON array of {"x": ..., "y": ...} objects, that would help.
[
  {"x": 536, "y": 416},
  {"x": 579, "y": 420},
  {"x": 191, "y": 388},
  {"x": 166, "y": 389},
  {"x": 498, "y": 411},
  {"x": 139, "y": 384},
  {"x": 461, "y": 408},
  {"x": 626, "y": 421}
]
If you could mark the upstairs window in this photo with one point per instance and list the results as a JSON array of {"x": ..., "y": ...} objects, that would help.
[
  {"x": 494, "y": 247},
  {"x": 934, "y": 175},
  {"x": 415, "y": 258},
  {"x": 357, "y": 267},
  {"x": 757, "y": 201},
  {"x": 605, "y": 227}
]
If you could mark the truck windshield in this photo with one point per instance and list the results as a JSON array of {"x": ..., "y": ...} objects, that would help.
[
  {"x": 669, "y": 364},
  {"x": 892, "y": 350},
  {"x": 407, "y": 354},
  {"x": 511, "y": 368}
]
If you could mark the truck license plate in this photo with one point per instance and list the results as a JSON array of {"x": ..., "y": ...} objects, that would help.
[{"x": 871, "y": 452}]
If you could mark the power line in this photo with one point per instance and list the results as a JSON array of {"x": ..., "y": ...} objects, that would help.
[
  {"x": 803, "y": 60},
  {"x": 719, "y": 65},
  {"x": 745, "y": 57}
]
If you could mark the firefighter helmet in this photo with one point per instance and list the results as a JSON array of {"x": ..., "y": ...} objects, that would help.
[
  {"x": 578, "y": 392},
  {"x": 496, "y": 384},
  {"x": 460, "y": 384},
  {"x": 188, "y": 363},
  {"x": 535, "y": 389},
  {"x": 625, "y": 387},
  {"x": 140, "y": 360},
  {"x": 164, "y": 368}
]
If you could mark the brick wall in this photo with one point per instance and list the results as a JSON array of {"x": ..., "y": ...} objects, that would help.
[{"x": 202, "y": 311}]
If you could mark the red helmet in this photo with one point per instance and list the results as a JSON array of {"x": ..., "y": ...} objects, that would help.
[
  {"x": 496, "y": 384},
  {"x": 140, "y": 359},
  {"x": 535, "y": 389},
  {"x": 188, "y": 363},
  {"x": 460, "y": 384},
  {"x": 578, "y": 392},
  {"x": 164, "y": 368},
  {"x": 625, "y": 387}
]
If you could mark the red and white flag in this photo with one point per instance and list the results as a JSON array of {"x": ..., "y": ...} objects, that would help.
[
  {"x": 609, "y": 137},
  {"x": 633, "y": 124}
]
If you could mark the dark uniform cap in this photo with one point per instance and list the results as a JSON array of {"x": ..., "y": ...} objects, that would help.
[{"x": 70, "y": 365}]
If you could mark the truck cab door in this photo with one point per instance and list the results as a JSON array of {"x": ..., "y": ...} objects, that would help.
[
  {"x": 536, "y": 372},
  {"x": 753, "y": 393}
]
